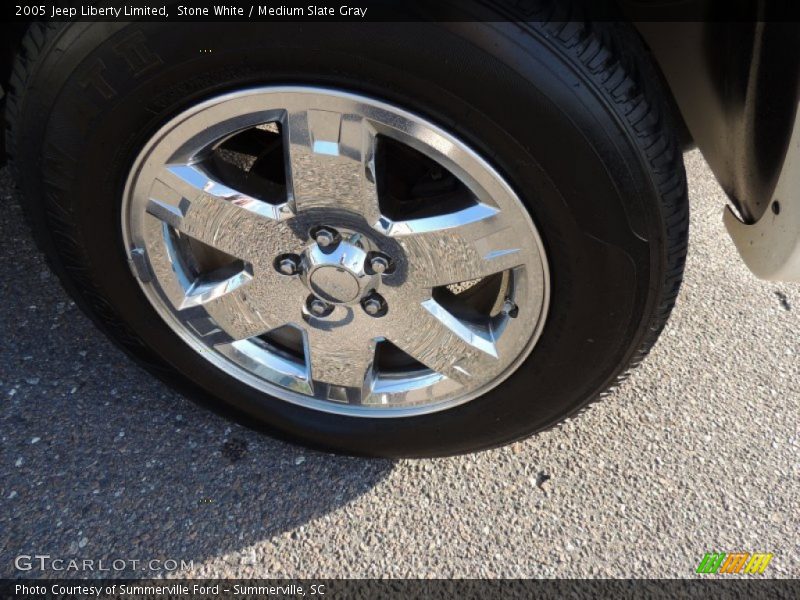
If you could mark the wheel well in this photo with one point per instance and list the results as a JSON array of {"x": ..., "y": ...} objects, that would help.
[{"x": 737, "y": 86}]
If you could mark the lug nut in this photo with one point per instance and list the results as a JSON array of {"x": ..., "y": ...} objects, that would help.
[
  {"x": 379, "y": 264},
  {"x": 319, "y": 308},
  {"x": 324, "y": 237},
  {"x": 374, "y": 306},
  {"x": 287, "y": 266}
]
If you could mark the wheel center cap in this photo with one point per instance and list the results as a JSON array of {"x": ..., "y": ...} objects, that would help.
[{"x": 335, "y": 284}]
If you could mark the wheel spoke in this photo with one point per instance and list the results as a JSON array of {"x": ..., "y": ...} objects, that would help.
[
  {"x": 266, "y": 303},
  {"x": 469, "y": 244},
  {"x": 443, "y": 343},
  {"x": 332, "y": 163},
  {"x": 271, "y": 303},
  {"x": 340, "y": 359},
  {"x": 193, "y": 203}
]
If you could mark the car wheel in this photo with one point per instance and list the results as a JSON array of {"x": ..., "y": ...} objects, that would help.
[{"x": 382, "y": 239}]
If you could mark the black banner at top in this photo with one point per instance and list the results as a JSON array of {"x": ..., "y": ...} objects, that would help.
[{"x": 403, "y": 10}]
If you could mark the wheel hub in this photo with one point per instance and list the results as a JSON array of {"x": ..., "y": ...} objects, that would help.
[{"x": 338, "y": 274}]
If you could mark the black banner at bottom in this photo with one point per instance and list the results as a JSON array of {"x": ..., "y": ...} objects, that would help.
[{"x": 334, "y": 589}]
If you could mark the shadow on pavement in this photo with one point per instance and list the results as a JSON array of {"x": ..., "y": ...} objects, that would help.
[{"x": 101, "y": 461}]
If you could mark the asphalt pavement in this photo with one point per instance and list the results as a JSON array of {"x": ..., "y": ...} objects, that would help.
[{"x": 696, "y": 452}]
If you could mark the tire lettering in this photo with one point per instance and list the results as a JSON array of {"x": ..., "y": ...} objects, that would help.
[
  {"x": 96, "y": 81},
  {"x": 137, "y": 53}
]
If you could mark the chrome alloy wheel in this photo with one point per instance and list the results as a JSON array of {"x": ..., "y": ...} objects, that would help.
[{"x": 335, "y": 251}]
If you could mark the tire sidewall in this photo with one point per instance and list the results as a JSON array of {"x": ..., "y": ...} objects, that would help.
[{"x": 530, "y": 111}]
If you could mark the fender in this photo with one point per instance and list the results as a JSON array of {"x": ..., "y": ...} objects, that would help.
[{"x": 737, "y": 86}]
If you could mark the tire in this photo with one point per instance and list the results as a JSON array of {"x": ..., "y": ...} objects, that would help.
[{"x": 571, "y": 114}]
